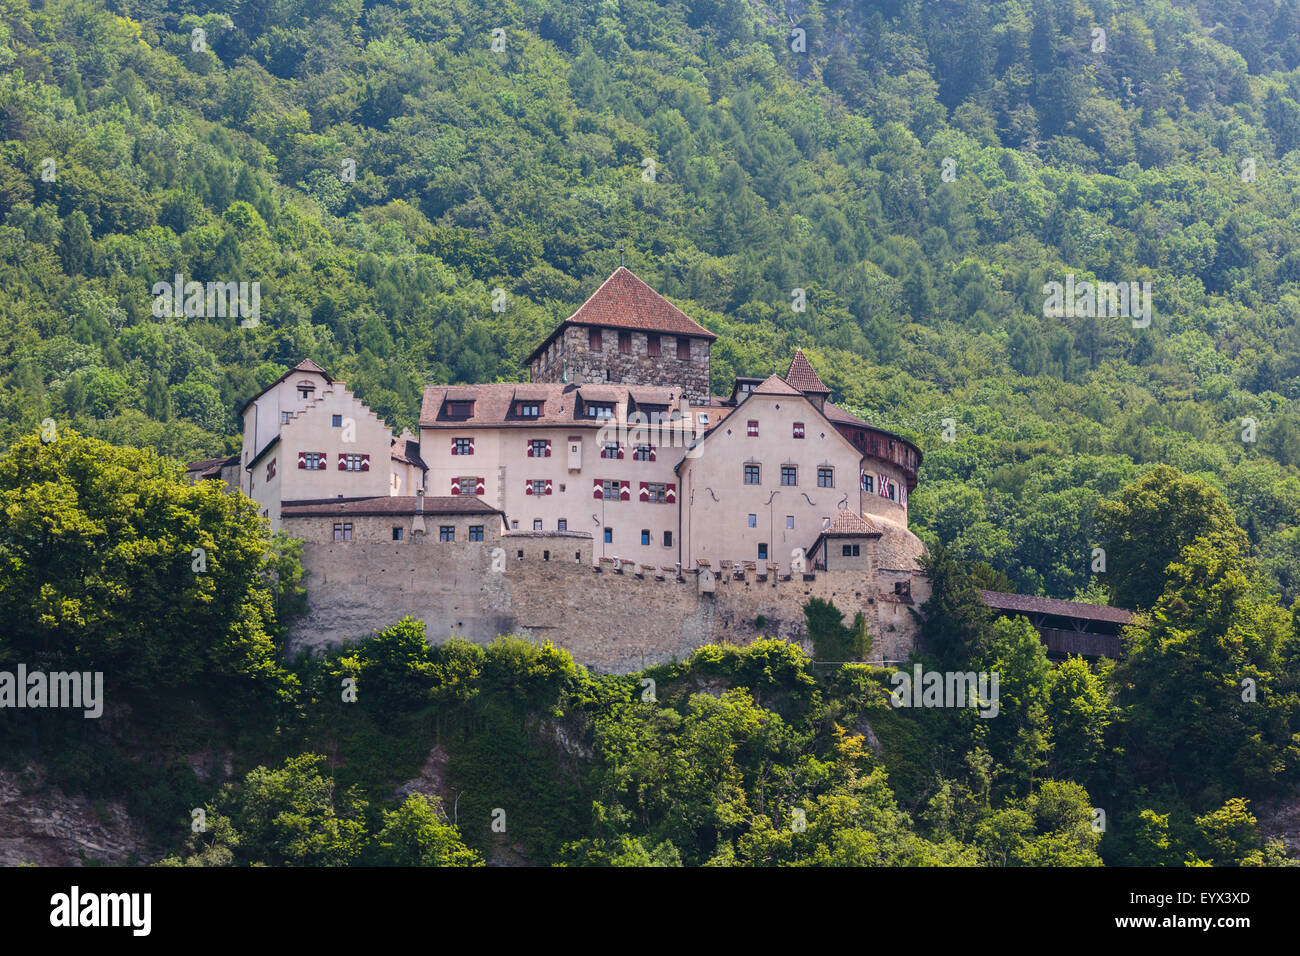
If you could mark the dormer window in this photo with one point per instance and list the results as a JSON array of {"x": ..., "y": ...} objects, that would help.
[
  {"x": 600, "y": 409},
  {"x": 460, "y": 409},
  {"x": 529, "y": 409}
]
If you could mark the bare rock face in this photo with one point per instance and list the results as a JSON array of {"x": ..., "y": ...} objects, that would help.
[{"x": 43, "y": 826}]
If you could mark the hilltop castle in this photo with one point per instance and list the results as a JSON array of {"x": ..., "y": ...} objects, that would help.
[{"x": 615, "y": 456}]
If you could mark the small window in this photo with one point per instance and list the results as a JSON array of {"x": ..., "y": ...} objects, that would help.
[
  {"x": 284, "y": 417},
  {"x": 609, "y": 449},
  {"x": 751, "y": 428},
  {"x": 658, "y": 492},
  {"x": 851, "y": 550},
  {"x": 447, "y": 532},
  {"x": 539, "y": 486},
  {"x": 530, "y": 409},
  {"x": 642, "y": 453},
  {"x": 343, "y": 532},
  {"x": 751, "y": 521},
  {"x": 538, "y": 447},
  {"x": 789, "y": 475},
  {"x": 397, "y": 533},
  {"x": 609, "y": 489},
  {"x": 546, "y": 555},
  {"x": 537, "y": 524},
  {"x": 668, "y": 539},
  {"x": 684, "y": 349},
  {"x": 798, "y": 429},
  {"x": 476, "y": 532},
  {"x": 314, "y": 461},
  {"x": 352, "y": 463},
  {"x": 868, "y": 483},
  {"x": 645, "y": 536},
  {"x": 464, "y": 446},
  {"x": 652, "y": 345},
  {"x": 762, "y": 552},
  {"x": 825, "y": 477},
  {"x": 305, "y": 391},
  {"x": 336, "y": 421},
  {"x": 600, "y": 409},
  {"x": 625, "y": 342},
  {"x": 702, "y": 418},
  {"x": 752, "y": 475},
  {"x": 609, "y": 535},
  {"x": 789, "y": 521},
  {"x": 593, "y": 340},
  {"x": 514, "y": 525},
  {"x": 562, "y": 524}
]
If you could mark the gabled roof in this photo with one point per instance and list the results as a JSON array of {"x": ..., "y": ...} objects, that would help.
[
  {"x": 803, "y": 377},
  {"x": 625, "y": 302},
  {"x": 407, "y": 451},
  {"x": 1027, "y": 604},
  {"x": 774, "y": 385},
  {"x": 306, "y": 365},
  {"x": 210, "y": 467},
  {"x": 840, "y": 417},
  {"x": 848, "y": 522}
]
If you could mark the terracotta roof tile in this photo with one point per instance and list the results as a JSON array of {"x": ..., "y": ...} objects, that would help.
[
  {"x": 841, "y": 417},
  {"x": 625, "y": 302},
  {"x": 494, "y": 404},
  {"x": 775, "y": 385},
  {"x": 802, "y": 375},
  {"x": 397, "y": 505}
]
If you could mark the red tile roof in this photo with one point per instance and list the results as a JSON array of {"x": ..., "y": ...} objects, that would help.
[
  {"x": 774, "y": 385},
  {"x": 1024, "y": 603},
  {"x": 625, "y": 302},
  {"x": 396, "y": 505},
  {"x": 494, "y": 404},
  {"x": 211, "y": 467},
  {"x": 802, "y": 375},
  {"x": 848, "y": 522},
  {"x": 407, "y": 451},
  {"x": 840, "y": 417}
]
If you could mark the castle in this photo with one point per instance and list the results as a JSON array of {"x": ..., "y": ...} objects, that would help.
[{"x": 546, "y": 507}]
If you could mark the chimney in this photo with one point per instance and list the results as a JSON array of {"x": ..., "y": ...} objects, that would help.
[{"x": 417, "y": 526}]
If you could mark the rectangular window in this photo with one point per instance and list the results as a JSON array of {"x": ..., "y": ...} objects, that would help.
[
  {"x": 447, "y": 532},
  {"x": 562, "y": 524},
  {"x": 751, "y": 521},
  {"x": 530, "y": 409},
  {"x": 539, "y": 486},
  {"x": 658, "y": 492},
  {"x": 684, "y": 349},
  {"x": 645, "y": 536},
  {"x": 625, "y": 342},
  {"x": 397, "y": 533},
  {"x": 609, "y": 450},
  {"x": 314, "y": 460},
  {"x": 702, "y": 418},
  {"x": 460, "y": 409},
  {"x": 336, "y": 421},
  {"x": 762, "y": 552},
  {"x": 798, "y": 429},
  {"x": 789, "y": 475},
  {"x": 751, "y": 429},
  {"x": 652, "y": 345},
  {"x": 609, "y": 489},
  {"x": 752, "y": 475},
  {"x": 352, "y": 463},
  {"x": 343, "y": 531},
  {"x": 609, "y": 535},
  {"x": 284, "y": 417},
  {"x": 789, "y": 521},
  {"x": 537, "y": 524},
  {"x": 643, "y": 453},
  {"x": 668, "y": 539},
  {"x": 537, "y": 448},
  {"x": 825, "y": 477},
  {"x": 600, "y": 409},
  {"x": 593, "y": 340},
  {"x": 464, "y": 446},
  {"x": 868, "y": 483},
  {"x": 476, "y": 532}
]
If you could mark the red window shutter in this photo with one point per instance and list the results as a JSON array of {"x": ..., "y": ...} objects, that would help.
[
  {"x": 548, "y": 486},
  {"x": 652, "y": 452},
  {"x": 620, "y": 452},
  {"x": 672, "y": 494},
  {"x": 343, "y": 462},
  {"x": 548, "y": 449},
  {"x": 597, "y": 490},
  {"x": 302, "y": 459},
  {"x": 455, "y": 486},
  {"x": 453, "y": 447},
  {"x": 528, "y": 488},
  {"x": 471, "y": 446},
  {"x": 530, "y": 449},
  {"x": 752, "y": 429},
  {"x": 478, "y": 486},
  {"x": 365, "y": 462},
  {"x": 645, "y": 491},
  {"x": 625, "y": 491},
  {"x": 324, "y": 460}
]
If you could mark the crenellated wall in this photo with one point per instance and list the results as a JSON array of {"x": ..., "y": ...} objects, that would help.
[{"x": 611, "y": 620}]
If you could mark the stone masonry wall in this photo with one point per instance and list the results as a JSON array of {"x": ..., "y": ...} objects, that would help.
[
  {"x": 637, "y": 367},
  {"x": 611, "y": 621}
]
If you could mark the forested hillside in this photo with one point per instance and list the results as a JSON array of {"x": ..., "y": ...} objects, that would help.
[{"x": 381, "y": 169}]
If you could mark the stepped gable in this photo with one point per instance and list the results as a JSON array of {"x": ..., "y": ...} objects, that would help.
[
  {"x": 803, "y": 376},
  {"x": 307, "y": 366}
]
